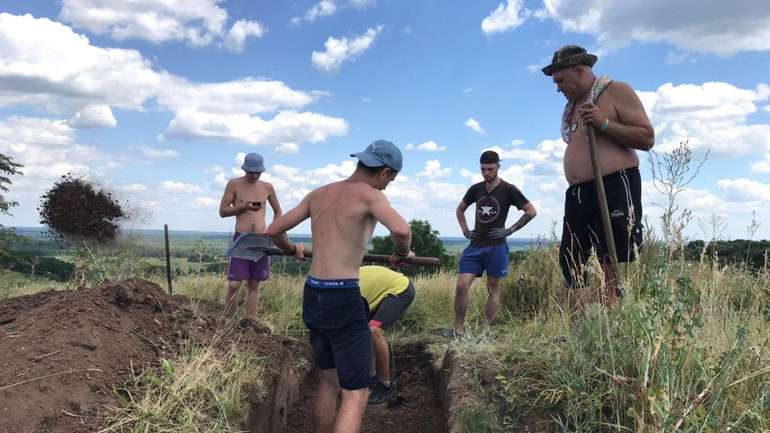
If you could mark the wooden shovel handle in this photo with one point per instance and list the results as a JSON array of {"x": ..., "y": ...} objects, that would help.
[{"x": 383, "y": 259}]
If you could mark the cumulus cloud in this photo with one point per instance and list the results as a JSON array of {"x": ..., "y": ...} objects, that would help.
[
  {"x": 246, "y": 95},
  {"x": 746, "y": 189},
  {"x": 710, "y": 26},
  {"x": 428, "y": 146},
  {"x": 474, "y": 125},
  {"x": 155, "y": 153},
  {"x": 433, "y": 169},
  {"x": 241, "y": 30},
  {"x": 287, "y": 148},
  {"x": 48, "y": 149},
  {"x": 93, "y": 116},
  {"x": 761, "y": 166},
  {"x": 326, "y": 8},
  {"x": 133, "y": 188},
  {"x": 205, "y": 202},
  {"x": 507, "y": 16},
  {"x": 711, "y": 115},
  {"x": 338, "y": 51},
  {"x": 285, "y": 127},
  {"x": 180, "y": 187},
  {"x": 196, "y": 23},
  {"x": 46, "y": 65},
  {"x": 363, "y": 4},
  {"x": 545, "y": 159},
  {"x": 323, "y": 8}
]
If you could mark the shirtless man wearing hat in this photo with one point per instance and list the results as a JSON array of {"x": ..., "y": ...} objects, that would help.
[
  {"x": 342, "y": 218},
  {"x": 245, "y": 198},
  {"x": 622, "y": 127}
]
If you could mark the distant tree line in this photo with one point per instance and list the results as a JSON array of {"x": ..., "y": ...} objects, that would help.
[{"x": 739, "y": 251}]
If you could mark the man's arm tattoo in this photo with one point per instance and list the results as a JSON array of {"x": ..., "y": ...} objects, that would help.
[{"x": 521, "y": 222}]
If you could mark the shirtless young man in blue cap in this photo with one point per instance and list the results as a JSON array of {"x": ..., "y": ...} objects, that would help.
[{"x": 342, "y": 218}]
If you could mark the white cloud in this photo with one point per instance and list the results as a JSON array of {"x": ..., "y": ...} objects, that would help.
[
  {"x": 507, "y": 16},
  {"x": 323, "y": 8},
  {"x": 474, "y": 125},
  {"x": 246, "y": 95},
  {"x": 433, "y": 169},
  {"x": 47, "y": 149},
  {"x": 235, "y": 40},
  {"x": 474, "y": 177},
  {"x": 46, "y": 65},
  {"x": 327, "y": 8},
  {"x": 194, "y": 22},
  {"x": 428, "y": 146},
  {"x": 180, "y": 187},
  {"x": 712, "y": 115},
  {"x": 93, "y": 116},
  {"x": 285, "y": 127},
  {"x": 133, "y": 188},
  {"x": 467, "y": 90},
  {"x": 152, "y": 152},
  {"x": 761, "y": 166},
  {"x": 766, "y": 108},
  {"x": 337, "y": 51},
  {"x": 710, "y": 26},
  {"x": 746, "y": 189},
  {"x": 674, "y": 57},
  {"x": 363, "y": 4},
  {"x": 220, "y": 179},
  {"x": 287, "y": 148},
  {"x": 545, "y": 159},
  {"x": 205, "y": 202}
]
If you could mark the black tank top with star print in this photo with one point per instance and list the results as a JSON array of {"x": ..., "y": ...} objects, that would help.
[{"x": 492, "y": 209}]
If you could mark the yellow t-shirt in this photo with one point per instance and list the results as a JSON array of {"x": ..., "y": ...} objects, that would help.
[{"x": 377, "y": 282}]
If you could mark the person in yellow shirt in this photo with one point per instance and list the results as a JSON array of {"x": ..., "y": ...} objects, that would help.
[{"x": 389, "y": 294}]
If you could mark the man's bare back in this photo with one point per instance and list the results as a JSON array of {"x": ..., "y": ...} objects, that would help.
[
  {"x": 614, "y": 156},
  {"x": 341, "y": 223}
]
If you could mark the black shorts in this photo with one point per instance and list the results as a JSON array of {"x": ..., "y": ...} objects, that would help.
[
  {"x": 582, "y": 230},
  {"x": 392, "y": 308},
  {"x": 337, "y": 317}
]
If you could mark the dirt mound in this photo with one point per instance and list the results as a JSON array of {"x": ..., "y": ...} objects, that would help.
[{"x": 63, "y": 353}]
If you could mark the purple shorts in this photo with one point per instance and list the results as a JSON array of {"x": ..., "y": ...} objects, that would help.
[{"x": 243, "y": 269}]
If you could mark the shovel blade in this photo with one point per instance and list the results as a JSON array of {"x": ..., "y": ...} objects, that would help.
[{"x": 250, "y": 246}]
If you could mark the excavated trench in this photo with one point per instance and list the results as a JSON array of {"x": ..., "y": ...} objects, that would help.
[{"x": 416, "y": 408}]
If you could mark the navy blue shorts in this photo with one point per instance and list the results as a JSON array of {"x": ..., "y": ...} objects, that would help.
[
  {"x": 338, "y": 319},
  {"x": 492, "y": 259}
]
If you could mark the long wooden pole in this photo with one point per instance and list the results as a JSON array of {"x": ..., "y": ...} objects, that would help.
[
  {"x": 602, "y": 197},
  {"x": 168, "y": 261}
]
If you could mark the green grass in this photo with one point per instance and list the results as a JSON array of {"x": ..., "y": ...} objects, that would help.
[
  {"x": 687, "y": 349},
  {"x": 205, "y": 389}
]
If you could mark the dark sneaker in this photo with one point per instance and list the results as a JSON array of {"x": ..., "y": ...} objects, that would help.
[
  {"x": 381, "y": 393},
  {"x": 449, "y": 333}
]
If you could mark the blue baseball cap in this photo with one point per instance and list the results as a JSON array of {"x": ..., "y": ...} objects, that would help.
[
  {"x": 379, "y": 153},
  {"x": 253, "y": 163}
]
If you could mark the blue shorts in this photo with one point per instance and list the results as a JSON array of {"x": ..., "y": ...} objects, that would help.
[
  {"x": 492, "y": 259},
  {"x": 338, "y": 319}
]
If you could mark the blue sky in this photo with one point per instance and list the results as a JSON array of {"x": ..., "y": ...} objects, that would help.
[{"x": 158, "y": 100}]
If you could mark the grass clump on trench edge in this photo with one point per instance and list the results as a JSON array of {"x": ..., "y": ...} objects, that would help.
[{"x": 207, "y": 388}]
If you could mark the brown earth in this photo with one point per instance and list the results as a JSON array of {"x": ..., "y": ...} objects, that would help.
[
  {"x": 415, "y": 409},
  {"x": 63, "y": 354}
]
